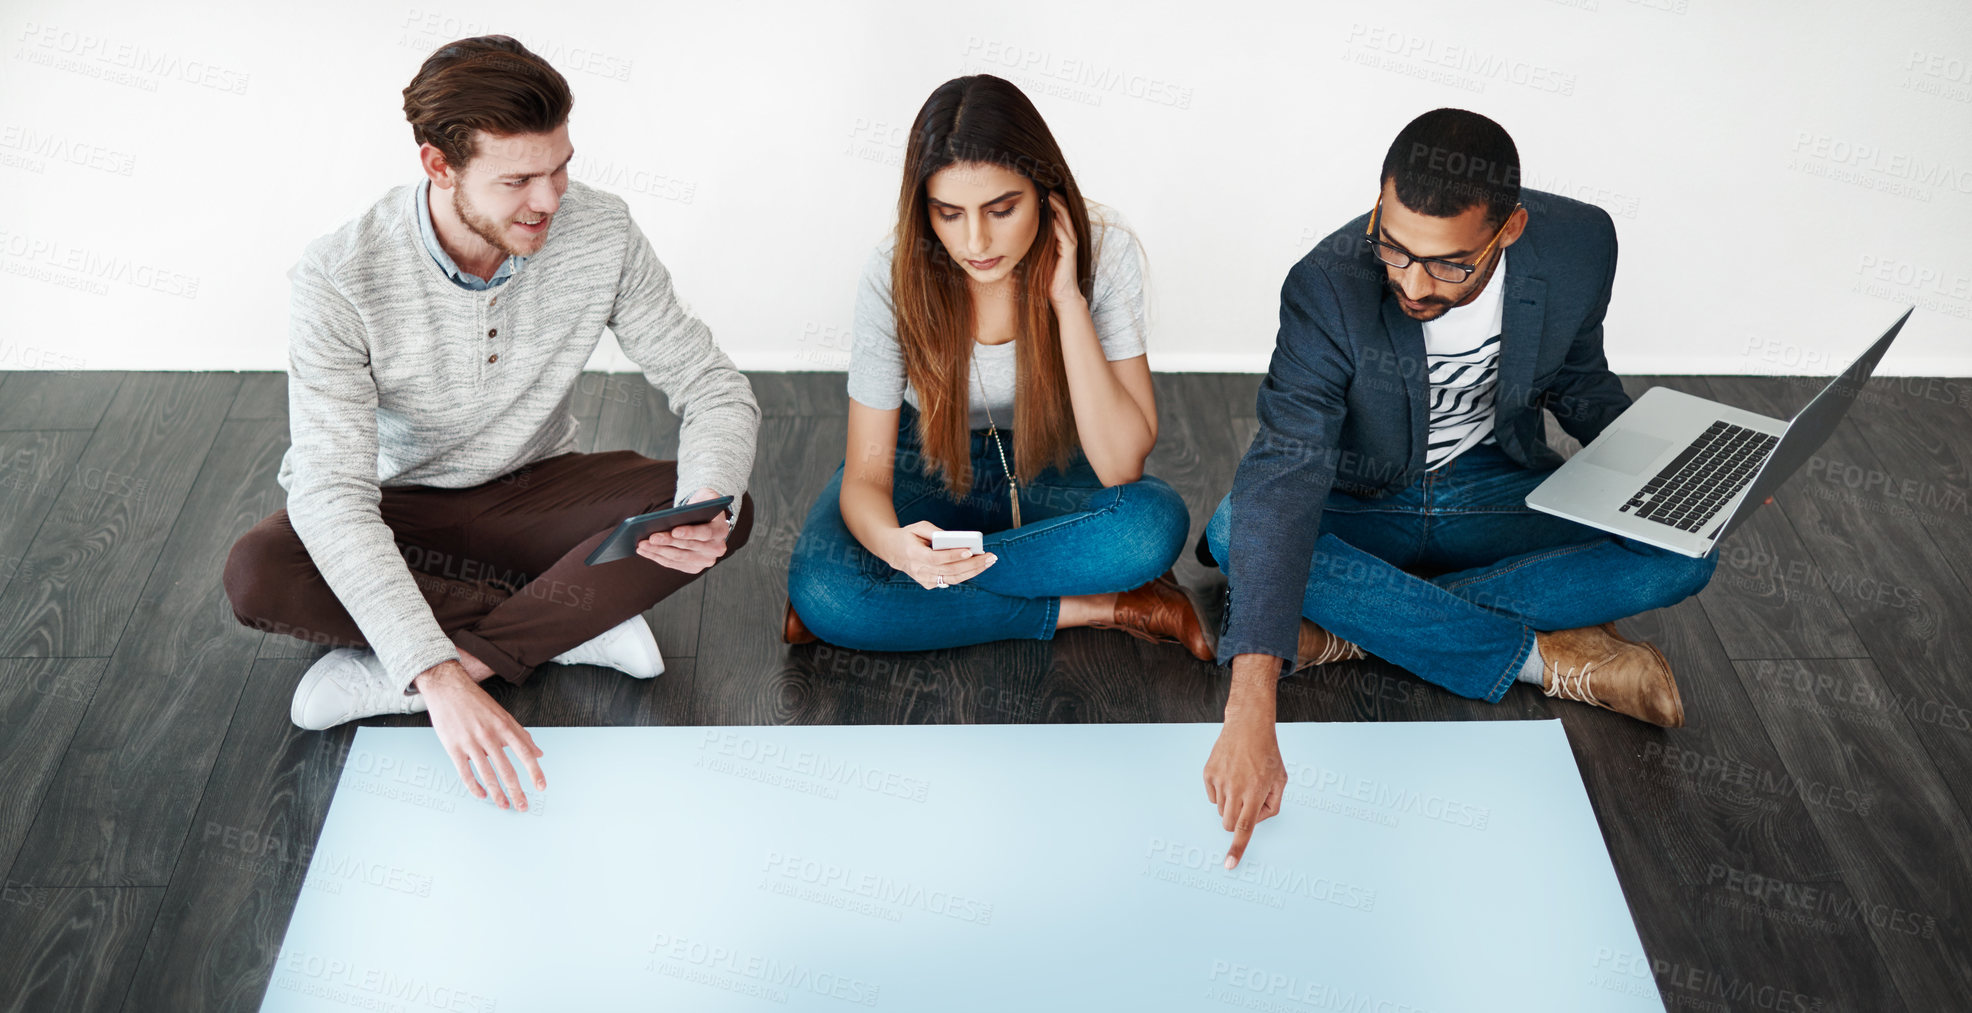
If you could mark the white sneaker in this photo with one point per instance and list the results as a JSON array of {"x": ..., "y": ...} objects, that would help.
[
  {"x": 346, "y": 684},
  {"x": 627, "y": 647}
]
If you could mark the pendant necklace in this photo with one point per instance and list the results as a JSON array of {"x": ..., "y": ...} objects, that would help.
[{"x": 993, "y": 430}]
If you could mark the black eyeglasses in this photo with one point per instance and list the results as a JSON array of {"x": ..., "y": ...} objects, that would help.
[{"x": 1437, "y": 267}]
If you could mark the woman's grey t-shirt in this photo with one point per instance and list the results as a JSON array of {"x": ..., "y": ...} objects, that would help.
[{"x": 876, "y": 363}]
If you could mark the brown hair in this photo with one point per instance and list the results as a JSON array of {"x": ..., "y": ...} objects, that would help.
[
  {"x": 490, "y": 83},
  {"x": 983, "y": 119}
]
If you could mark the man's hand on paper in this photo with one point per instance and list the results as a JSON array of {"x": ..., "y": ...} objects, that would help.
[
  {"x": 476, "y": 732},
  {"x": 1244, "y": 776}
]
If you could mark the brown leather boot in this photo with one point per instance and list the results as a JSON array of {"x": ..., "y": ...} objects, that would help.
[
  {"x": 1317, "y": 646},
  {"x": 1598, "y": 666},
  {"x": 1162, "y": 613},
  {"x": 794, "y": 631}
]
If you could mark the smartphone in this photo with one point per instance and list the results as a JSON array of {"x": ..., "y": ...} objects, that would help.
[
  {"x": 622, "y": 542},
  {"x": 958, "y": 540}
]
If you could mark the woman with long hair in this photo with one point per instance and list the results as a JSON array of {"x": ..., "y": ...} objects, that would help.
[{"x": 997, "y": 384}]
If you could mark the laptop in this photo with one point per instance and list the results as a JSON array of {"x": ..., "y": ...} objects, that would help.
[{"x": 1681, "y": 472}]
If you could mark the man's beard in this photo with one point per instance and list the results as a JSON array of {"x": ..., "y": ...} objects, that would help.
[
  {"x": 1437, "y": 306},
  {"x": 1434, "y": 306},
  {"x": 483, "y": 227}
]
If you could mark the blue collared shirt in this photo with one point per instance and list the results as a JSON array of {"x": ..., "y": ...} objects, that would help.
[{"x": 459, "y": 277}]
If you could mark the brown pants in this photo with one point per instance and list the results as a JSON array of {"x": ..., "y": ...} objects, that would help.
[{"x": 500, "y": 563}]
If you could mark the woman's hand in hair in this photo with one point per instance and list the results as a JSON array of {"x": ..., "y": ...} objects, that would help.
[
  {"x": 911, "y": 553},
  {"x": 1065, "y": 289}
]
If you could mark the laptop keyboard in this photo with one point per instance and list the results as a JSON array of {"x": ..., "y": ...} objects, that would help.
[{"x": 1691, "y": 489}]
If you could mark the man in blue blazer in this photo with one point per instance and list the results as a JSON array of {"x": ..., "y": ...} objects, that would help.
[{"x": 1381, "y": 507}]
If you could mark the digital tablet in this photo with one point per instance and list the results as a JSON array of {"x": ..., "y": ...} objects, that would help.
[{"x": 622, "y": 542}]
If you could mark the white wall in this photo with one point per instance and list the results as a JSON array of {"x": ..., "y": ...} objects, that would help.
[{"x": 1784, "y": 175}]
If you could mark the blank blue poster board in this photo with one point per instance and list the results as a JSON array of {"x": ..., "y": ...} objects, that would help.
[{"x": 1446, "y": 867}]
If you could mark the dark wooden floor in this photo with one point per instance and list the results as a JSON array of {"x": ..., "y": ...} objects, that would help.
[{"x": 1803, "y": 844}]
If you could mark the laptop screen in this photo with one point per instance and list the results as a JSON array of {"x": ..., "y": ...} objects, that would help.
[{"x": 1811, "y": 426}]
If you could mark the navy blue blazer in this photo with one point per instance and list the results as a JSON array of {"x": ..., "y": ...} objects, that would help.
[{"x": 1346, "y": 400}]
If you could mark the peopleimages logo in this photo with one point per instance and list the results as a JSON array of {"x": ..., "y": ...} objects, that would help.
[
  {"x": 1738, "y": 776},
  {"x": 1813, "y": 899},
  {"x": 417, "y": 783},
  {"x": 1900, "y": 173},
  {"x": 92, "y": 267},
  {"x": 1614, "y": 968},
  {"x": 672, "y": 955},
  {"x": 1391, "y": 797},
  {"x": 58, "y": 147},
  {"x": 810, "y": 763},
  {"x": 336, "y": 867},
  {"x": 122, "y": 62},
  {"x": 350, "y": 983},
  {"x": 882, "y": 889},
  {"x": 1250, "y": 984},
  {"x": 1256, "y": 873},
  {"x": 1468, "y": 67},
  {"x": 1078, "y": 79}
]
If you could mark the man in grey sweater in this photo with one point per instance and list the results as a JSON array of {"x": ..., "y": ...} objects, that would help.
[{"x": 438, "y": 515}]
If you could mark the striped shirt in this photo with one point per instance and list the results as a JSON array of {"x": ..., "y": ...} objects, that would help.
[{"x": 1462, "y": 354}]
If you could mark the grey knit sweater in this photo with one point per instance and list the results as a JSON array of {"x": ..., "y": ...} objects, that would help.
[{"x": 397, "y": 376}]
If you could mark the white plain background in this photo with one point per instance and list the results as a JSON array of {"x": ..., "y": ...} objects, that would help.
[{"x": 1784, "y": 176}]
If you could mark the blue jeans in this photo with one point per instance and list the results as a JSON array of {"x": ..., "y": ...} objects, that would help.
[
  {"x": 1504, "y": 571},
  {"x": 1076, "y": 537}
]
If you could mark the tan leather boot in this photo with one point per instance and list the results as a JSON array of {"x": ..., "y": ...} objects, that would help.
[
  {"x": 1317, "y": 646},
  {"x": 1161, "y": 612},
  {"x": 1598, "y": 666},
  {"x": 794, "y": 631}
]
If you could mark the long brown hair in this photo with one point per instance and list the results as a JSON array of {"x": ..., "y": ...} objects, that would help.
[{"x": 983, "y": 119}]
